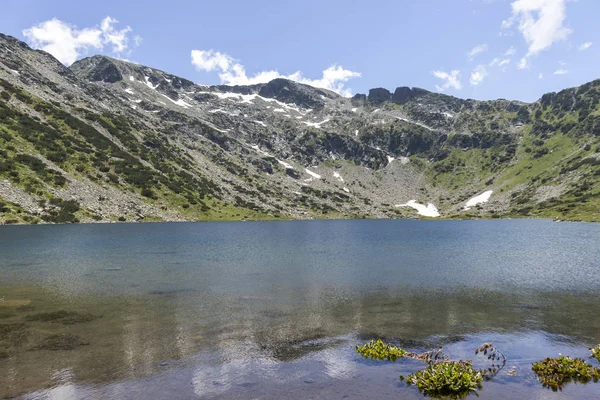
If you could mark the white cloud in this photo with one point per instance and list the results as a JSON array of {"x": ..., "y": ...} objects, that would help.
[
  {"x": 67, "y": 43},
  {"x": 210, "y": 60},
  {"x": 540, "y": 22},
  {"x": 499, "y": 62},
  {"x": 541, "y": 76},
  {"x": 510, "y": 51},
  {"x": 118, "y": 39},
  {"x": 523, "y": 63},
  {"x": 478, "y": 75},
  {"x": 231, "y": 72},
  {"x": 480, "y": 48},
  {"x": 451, "y": 80},
  {"x": 585, "y": 46},
  {"x": 561, "y": 72}
]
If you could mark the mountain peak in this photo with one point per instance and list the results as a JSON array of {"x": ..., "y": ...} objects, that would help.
[{"x": 97, "y": 69}]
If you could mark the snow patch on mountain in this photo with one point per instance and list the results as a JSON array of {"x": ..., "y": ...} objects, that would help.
[
  {"x": 338, "y": 176},
  {"x": 416, "y": 123},
  {"x": 149, "y": 84},
  {"x": 179, "y": 102},
  {"x": 479, "y": 199},
  {"x": 428, "y": 210},
  {"x": 313, "y": 174},
  {"x": 315, "y": 124},
  {"x": 288, "y": 166}
]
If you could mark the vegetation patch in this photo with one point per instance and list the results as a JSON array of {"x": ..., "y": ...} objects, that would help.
[
  {"x": 377, "y": 350},
  {"x": 443, "y": 376},
  {"x": 596, "y": 352},
  {"x": 554, "y": 373},
  {"x": 455, "y": 379}
]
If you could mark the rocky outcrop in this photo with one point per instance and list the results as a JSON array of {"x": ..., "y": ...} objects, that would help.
[
  {"x": 379, "y": 95},
  {"x": 401, "y": 95}
]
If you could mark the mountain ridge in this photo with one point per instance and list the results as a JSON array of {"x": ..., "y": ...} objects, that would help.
[{"x": 154, "y": 146}]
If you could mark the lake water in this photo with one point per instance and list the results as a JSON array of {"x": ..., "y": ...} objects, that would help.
[{"x": 273, "y": 310}]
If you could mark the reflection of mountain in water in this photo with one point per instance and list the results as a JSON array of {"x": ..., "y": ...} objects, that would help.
[{"x": 140, "y": 335}]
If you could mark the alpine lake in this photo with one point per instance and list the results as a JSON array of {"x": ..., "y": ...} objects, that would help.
[{"x": 274, "y": 310}]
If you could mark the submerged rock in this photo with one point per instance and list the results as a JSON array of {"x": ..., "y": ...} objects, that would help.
[
  {"x": 13, "y": 334},
  {"x": 61, "y": 342},
  {"x": 63, "y": 317}
]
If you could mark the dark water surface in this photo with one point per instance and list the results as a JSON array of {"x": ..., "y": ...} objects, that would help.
[{"x": 273, "y": 310}]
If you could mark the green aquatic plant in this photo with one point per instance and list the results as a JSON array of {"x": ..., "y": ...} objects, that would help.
[
  {"x": 454, "y": 379},
  {"x": 443, "y": 376},
  {"x": 377, "y": 350},
  {"x": 554, "y": 373},
  {"x": 497, "y": 358},
  {"x": 596, "y": 352}
]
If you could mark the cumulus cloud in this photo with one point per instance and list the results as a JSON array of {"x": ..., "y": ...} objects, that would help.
[
  {"x": 480, "y": 48},
  {"x": 231, "y": 72},
  {"x": 540, "y": 22},
  {"x": 523, "y": 64},
  {"x": 67, "y": 43},
  {"x": 478, "y": 75},
  {"x": 585, "y": 46},
  {"x": 450, "y": 80},
  {"x": 510, "y": 51},
  {"x": 561, "y": 72},
  {"x": 541, "y": 76},
  {"x": 118, "y": 39}
]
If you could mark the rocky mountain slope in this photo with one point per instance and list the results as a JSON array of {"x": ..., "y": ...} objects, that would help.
[{"x": 108, "y": 140}]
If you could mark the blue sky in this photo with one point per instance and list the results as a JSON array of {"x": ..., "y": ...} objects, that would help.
[{"x": 483, "y": 49}]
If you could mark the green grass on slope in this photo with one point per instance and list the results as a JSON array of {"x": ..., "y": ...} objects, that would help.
[{"x": 172, "y": 181}]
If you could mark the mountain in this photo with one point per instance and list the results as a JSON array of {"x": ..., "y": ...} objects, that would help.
[{"x": 107, "y": 140}]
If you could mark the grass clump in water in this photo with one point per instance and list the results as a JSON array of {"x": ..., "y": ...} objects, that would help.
[
  {"x": 556, "y": 372},
  {"x": 455, "y": 379},
  {"x": 596, "y": 352},
  {"x": 377, "y": 350}
]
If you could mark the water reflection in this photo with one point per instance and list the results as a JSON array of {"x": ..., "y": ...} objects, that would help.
[
  {"x": 182, "y": 315},
  {"x": 248, "y": 340}
]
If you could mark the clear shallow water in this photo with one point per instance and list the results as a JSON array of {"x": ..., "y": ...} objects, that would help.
[{"x": 274, "y": 309}]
